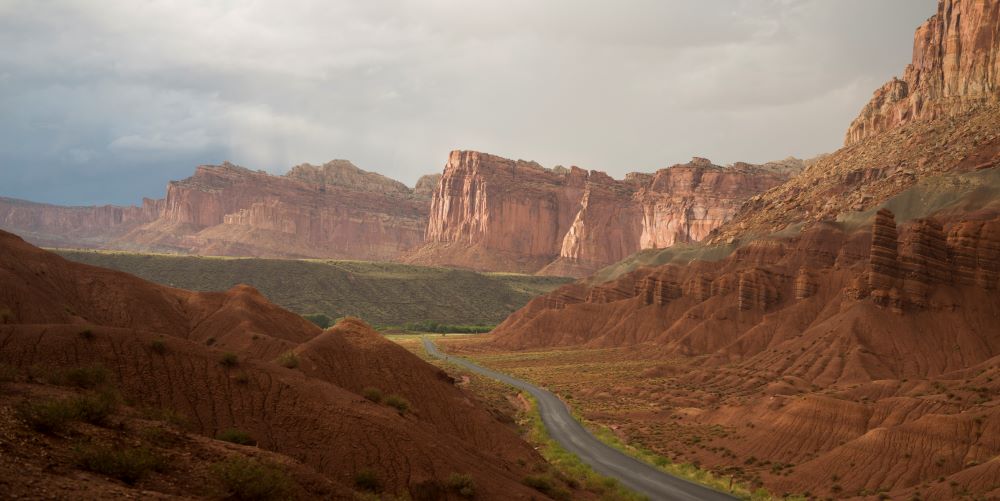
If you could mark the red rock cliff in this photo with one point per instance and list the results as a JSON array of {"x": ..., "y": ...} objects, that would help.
[
  {"x": 492, "y": 213},
  {"x": 331, "y": 211},
  {"x": 59, "y": 226},
  {"x": 955, "y": 68}
]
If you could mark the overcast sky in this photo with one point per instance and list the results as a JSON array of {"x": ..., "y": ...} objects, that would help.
[{"x": 105, "y": 101}]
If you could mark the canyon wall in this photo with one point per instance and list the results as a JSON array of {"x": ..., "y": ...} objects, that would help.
[
  {"x": 60, "y": 226},
  {"x": 496, "y": 214},
  {"x": 330, "y": 211},
  {"x": 955, "y": 68}
]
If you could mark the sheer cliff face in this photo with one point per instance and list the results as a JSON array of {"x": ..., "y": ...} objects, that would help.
[
  {"x": 59, "y": 226},
  {"x": 955, "y": 68},
  {"x": 498, "y": 214},
  {"x": 311, "y": 212}
]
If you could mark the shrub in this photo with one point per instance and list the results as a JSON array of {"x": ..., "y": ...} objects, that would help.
[
  {"x": 372, "y": 393},
  {"x": 288, "y": 360},
  {"x": 242, "y": 378},
  {"x": 321, "y": 320},
  {"x": 462, "y": 484},
  {"x": 428, "y": 490},
  {"x": 126, "y": 464},
  {"x": 86, "y": 377},
  {"x": 245, "y": 478},
  {"x": 48, "y": 416},
  {"x": 95, "y": 408},
  {"x": 210, "y": 341},
  {"x": 229, "y": 360},
  {"x": 6, "y": 315},
  {"x": 166, "y": 415},
  {"x": 397, "y": 402},
  {"x": 158, "y": 346},
  {"x": 236, "y": 436},
  {"x": 86, "y": 334},
  {"x": 546, "y": 485},
  {"x": 366, "y": 480}
]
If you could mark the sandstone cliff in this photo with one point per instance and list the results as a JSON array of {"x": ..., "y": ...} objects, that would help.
[
  {"x": 59, "y": 226},
  {"x": 491, "y": 213},
  {"x": 333, "y": 211},
  {"x": 955, "y": 68}
]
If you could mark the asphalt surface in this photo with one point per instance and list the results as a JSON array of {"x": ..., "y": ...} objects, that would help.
[{"x": 571, "y": 435}]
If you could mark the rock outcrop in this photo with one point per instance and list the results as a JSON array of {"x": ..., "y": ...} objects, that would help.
[
  {"x": 955, "y": 68},
  {"x": 59, "y": 226},
  {"x": 491, "y": 213},
  {"x": 333, "y": 211}
]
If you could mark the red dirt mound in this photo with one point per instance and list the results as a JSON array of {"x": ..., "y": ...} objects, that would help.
[{"x": 154, "y": 340}]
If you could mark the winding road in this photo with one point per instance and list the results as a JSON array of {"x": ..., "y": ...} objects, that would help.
[{"x": 571, "y": 435}]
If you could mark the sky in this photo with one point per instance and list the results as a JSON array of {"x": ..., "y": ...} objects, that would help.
[{"x": 105, "y": 101}]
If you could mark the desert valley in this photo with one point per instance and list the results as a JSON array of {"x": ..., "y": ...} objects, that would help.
[{"x": 818, "y": 328}]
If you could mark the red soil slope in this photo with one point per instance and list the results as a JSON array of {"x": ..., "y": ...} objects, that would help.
[{"x": 57, "y": 314}]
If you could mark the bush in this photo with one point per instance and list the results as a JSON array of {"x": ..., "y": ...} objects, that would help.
[
  {"x": 95, "y": 408},
  {"x": 428, "y": 490},
  {"x": 158, "y": 346},
  {"x": 546, "y": 485},
  {"x": 86, "y": 334},
  {"x": 126, "y": 464},
  {"x": 48, "y": 416},
  {"x": 210, "y": 341},
  {"x": 236, "y": 436},
  {"x": 321, "y": 320},
  {"x": 6, "y": 315},
  {"x": 366, "y": 480},
  {"x": 229, "y": 360},
  {"x": 462, "y": 484},
  {"x": 289, "y": 360},
  {"x": 245, "y": 478},
  {"x": 86, "y": 377},
  {"x": 397, "y": 402},
  {"x": 372, "y": 393}
]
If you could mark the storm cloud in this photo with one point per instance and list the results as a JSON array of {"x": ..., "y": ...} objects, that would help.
[{"x": 104, "y": 101}]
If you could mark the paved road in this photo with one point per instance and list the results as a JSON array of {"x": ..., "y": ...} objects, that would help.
[{"x": 563, "y": 428}]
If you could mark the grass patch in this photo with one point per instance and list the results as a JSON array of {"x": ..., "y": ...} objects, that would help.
[
  {"x": 546, "y": 484},
  {"x": 129, "y": 464},
  {"x": 96, "y": 408},
  {"x": 236, "y": 436},
  {"x": 248, "y": 479}
]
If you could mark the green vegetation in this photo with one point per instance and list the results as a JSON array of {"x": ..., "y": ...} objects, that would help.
[
  {"x": 288, "y": 360},
  {"x": 229, "y": 360},
  {"x": 158, "y": 346},
  {"x": 372, "y": 393},
  {"x": 53, "y": 416},
  {"x": 321, "y": 320},
  {"x": 461, "y": 484},
  {"x": 128, "y": 464},
  {"x": 397, "y": 402},
  {"x": 86, "y": 377},
  {"x": 244, "y": 478},
  {"x": 367, "y": 480},
  {"x": 236, "y": 436},
  {"x": 546, "y": 484},
  {"x": 383, "y": 294},
  {"x": 428, "y": 326},
  {"x": 48, "y": 416}
]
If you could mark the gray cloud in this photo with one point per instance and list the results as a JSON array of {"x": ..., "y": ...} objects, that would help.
[{"x": 106, "y": 101}]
